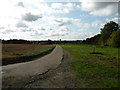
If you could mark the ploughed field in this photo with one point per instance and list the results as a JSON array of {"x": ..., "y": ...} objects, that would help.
[{"x": 11, "y": 53}]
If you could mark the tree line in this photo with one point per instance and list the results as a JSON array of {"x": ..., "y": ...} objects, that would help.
[
  {"x": 109, "y": 36},
  {"x": 20, "y": 41}
]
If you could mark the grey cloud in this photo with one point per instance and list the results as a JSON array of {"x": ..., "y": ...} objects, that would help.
[
  {"x": 64, "y": 34},
  {"x": 100, "y": 8},
  {"x": 101, "y": 5},
  {"x": 7, "y": 31},
  {"x": 30, "y": 17},
  {"x": 55, "y": 34},
  {"x": 2, "y": 27},
  {"x": 42, "y": 28},
  {"x": 26, "y": 29},
  {"x": 51, "y": 29},
  {"x": 36, "y": 34},
  {"x": 20, "y": 4},
  {"x": 21, "y": 24},
  {"x": 62, "y": 22}
]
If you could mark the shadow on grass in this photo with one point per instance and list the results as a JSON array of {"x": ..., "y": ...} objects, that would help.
[
  {"x": 97, "y": 53},
  {"x": 6, "y": 61}
]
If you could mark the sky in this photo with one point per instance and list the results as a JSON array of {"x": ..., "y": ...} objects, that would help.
[{"x": 55, "y": 19}]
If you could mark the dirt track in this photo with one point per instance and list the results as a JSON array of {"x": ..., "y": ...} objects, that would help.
[{"x": 59, "y": 76}]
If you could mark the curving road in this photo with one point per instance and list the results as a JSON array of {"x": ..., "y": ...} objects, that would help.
[
  {"x": 38, "y": 66},
  {"x": 28, "y": 69}
]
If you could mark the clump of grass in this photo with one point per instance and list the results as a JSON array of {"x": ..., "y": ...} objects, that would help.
[{"x": 95, "y": 70}]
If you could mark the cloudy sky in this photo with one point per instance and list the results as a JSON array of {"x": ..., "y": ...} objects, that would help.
[{"x": 43, "y": 20}]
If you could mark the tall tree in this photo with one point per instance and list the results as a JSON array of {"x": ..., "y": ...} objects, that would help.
[{"x": 107, "y": 30}]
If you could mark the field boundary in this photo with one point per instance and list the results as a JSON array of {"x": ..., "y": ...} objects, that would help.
[{"x": 7, "y": 61}]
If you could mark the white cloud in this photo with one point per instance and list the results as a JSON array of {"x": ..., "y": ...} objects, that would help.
[
  {"x": 53, "y": 30},
  {"x": 18, "y": 16},
  {"x": 56, "y": 5},
  {"x": 63, "y": 8},
  {"x": 113, "y": 19}
]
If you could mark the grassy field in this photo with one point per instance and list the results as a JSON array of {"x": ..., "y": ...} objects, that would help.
[
  {"x": 95, "y": 70},
  {"x": 15, "y": 53}
]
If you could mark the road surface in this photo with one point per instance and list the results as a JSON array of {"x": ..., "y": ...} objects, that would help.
[{"x": 27, "y": 70}]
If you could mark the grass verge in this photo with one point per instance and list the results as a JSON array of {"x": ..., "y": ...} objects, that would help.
[
  {"x": 94, "y": 70},
  {"x": 27, "y": 57}
]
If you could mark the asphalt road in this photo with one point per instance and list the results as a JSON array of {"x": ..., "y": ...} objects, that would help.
[{"x": 36, "y": 67}]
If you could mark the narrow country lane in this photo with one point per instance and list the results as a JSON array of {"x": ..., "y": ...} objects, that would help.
[{"x": 21, "y": 73}]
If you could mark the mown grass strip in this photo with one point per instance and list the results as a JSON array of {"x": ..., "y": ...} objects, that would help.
[
  {"x": 95, "y": 71},
  {"x": 27, "y": 57},
  {"x": 38, "y": 52}
]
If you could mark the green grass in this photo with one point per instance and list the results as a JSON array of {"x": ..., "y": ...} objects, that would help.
[
  {"x": 38, "y": 52},
  {"x": 94, "y": 70}
]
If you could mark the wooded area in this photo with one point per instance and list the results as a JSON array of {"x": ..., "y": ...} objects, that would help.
[{"x": 109, "y": 36}]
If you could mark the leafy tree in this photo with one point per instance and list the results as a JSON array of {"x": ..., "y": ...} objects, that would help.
[
  {"x": 114, "y": 39},
  {"x": 107, "y": 30},
  {"x": 93, "y": 40}
]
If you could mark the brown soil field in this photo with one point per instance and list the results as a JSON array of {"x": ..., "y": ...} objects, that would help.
[
  {"x": 16, "y": 50},
  {"x": 16, "y": 53}
]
